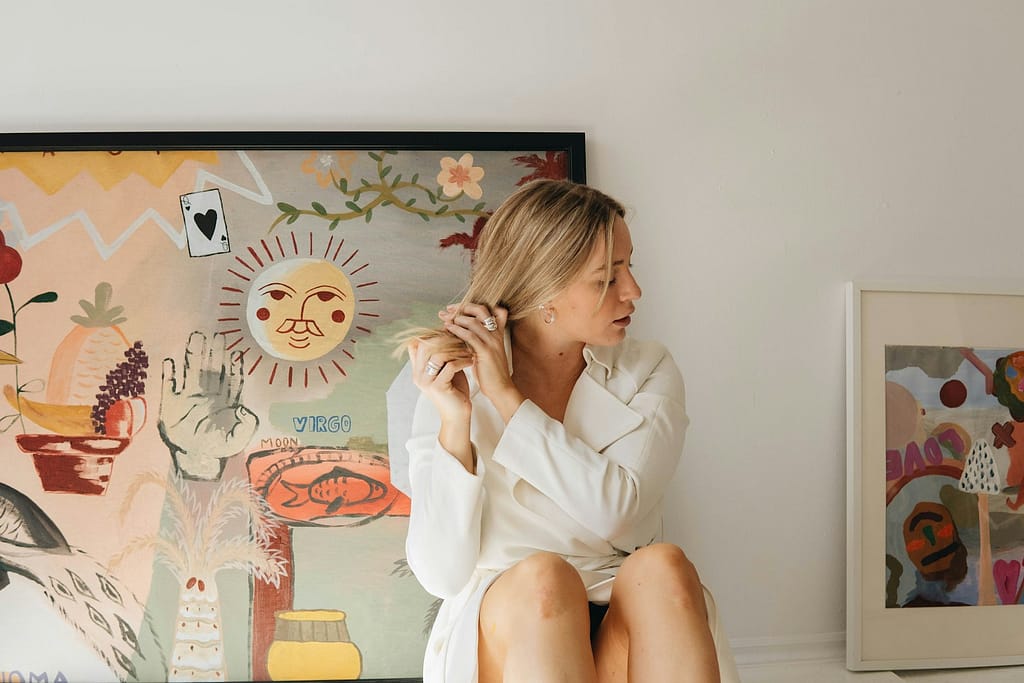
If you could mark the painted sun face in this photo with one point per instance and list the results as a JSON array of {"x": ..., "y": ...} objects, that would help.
[{"x": 300, "y": 309}]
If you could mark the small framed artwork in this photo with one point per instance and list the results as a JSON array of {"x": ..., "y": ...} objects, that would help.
[
  {"x": 935, "y": 477},
  {"x": 196, "y": 337}
]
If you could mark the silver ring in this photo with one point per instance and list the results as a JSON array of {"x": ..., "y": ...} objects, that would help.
[
  {"x": 432, "y": 369},
  {"x": 490, "y": 323}
]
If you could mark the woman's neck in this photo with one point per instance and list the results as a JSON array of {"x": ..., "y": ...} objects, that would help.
[{"x": 539, "y": 354}]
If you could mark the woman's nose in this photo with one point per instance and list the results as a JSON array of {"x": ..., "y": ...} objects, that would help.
[{"x": 632, "y": 291}]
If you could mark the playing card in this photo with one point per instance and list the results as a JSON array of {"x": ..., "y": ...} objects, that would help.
[{"x": 205, "y": 228}]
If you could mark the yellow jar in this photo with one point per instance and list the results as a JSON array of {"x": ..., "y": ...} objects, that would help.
[{"x": 312, "y": 645}]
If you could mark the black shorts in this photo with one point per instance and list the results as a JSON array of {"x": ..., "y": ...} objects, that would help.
[{"x": 597, "y": 613}]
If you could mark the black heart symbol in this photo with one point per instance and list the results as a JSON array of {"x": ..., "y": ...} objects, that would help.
[{"x": 206, "y": 222}]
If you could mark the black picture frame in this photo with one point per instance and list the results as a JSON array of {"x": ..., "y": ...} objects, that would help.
[
  {"x": 572, "y": 143},
  {"x": 569, "y": 144}
]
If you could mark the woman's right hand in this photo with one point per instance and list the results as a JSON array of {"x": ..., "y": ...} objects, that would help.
[{"x": 442, "y": 378}]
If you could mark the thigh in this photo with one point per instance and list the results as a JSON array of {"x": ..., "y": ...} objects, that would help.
[
  {"x": 541, "y": 586},
  {"x": 611, "y": 648}
]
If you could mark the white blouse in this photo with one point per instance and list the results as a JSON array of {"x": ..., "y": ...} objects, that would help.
[{"x": 589, "y": 488}]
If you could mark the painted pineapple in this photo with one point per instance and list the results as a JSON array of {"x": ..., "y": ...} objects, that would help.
[
  {"x": 89, "y": 351},
  {"x": 97, "y": 377}
]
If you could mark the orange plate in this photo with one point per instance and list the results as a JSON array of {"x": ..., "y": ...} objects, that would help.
[{"x": 326, "y": 485}]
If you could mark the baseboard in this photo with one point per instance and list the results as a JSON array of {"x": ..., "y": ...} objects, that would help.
[{"x": 810, "y": 647}]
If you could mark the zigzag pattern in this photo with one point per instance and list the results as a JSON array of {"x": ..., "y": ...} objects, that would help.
[{"x": 26, "y": 241}]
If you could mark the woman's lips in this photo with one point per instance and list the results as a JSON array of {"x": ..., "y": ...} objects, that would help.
[{"x": 623, "y": 321}]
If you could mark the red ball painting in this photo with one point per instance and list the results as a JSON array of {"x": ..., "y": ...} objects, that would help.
[{"x": 953, "y": 393}]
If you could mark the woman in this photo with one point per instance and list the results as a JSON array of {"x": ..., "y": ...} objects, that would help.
[{"x": 541, "y": 447}]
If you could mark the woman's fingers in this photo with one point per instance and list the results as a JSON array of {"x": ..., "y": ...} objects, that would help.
[
  {"x": 482, "y": 329},
  {"x": 416, "y": 358},
  {"x": 477, "y": 326},
  {"x": 430, "y": 367},
  {"x": 470, "y": 312},
  {"x": 448, "y": 372},
  {"x": 473, "y": 333},
  {"x": 475, "y": 310}
]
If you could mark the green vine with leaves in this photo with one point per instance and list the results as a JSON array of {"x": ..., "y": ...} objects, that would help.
[{"x": 385, "y": 192}]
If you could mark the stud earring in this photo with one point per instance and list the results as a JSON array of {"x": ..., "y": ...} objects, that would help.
[{"x": 549, "y": 315}]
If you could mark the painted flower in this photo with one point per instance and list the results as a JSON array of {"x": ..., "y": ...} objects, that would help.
[
  {"x": 460, "y": 176},
  {"x": 323, "y": 164},
  {"x": 10, "y": 262}
]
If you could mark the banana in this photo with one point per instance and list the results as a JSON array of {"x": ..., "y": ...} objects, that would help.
[{"x": 69, "y": 420}]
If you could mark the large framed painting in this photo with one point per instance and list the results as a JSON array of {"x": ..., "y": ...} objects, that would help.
[
  {"x": 935, "y": 428},
  {"x": 195, "y": 353}
]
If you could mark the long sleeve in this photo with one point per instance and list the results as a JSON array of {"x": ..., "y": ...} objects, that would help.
[
  {"x": 443, "y": 542},
  {"x": 609, "y": 464}
]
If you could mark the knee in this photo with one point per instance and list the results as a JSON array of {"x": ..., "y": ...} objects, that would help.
[
  {"x": 663, "y": 568},
  {"x": 546, "y": 585}
]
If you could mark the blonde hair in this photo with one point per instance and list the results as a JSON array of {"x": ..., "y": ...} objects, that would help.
[{"x": 533, "y": 246}]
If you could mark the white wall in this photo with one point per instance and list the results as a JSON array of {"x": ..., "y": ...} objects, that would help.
[{"x": 771, "y": 150}]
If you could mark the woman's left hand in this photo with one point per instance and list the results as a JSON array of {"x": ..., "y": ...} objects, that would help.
[{"x": 490, "y": 362}]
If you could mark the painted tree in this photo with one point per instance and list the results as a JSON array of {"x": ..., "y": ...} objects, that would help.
[
  {"x": 981, "y": 477},
  {"x": 194, "y": 545}
]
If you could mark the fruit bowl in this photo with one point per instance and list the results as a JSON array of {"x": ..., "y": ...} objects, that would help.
[{"x": 75, "y": 459}]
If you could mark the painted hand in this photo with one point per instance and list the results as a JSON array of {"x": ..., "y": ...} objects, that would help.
[{"x": 203, "y": 421}]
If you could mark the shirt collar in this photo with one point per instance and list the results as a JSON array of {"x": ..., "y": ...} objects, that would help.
[{"x": 602, "y": 356}]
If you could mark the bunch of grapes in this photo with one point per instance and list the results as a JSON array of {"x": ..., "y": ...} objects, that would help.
[{"x": 127, "y": 379}]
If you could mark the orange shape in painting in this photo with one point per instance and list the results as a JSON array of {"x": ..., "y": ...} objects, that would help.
[
  {"x": 75, "y": 199},
  {"x": 51, "y": 171},
  {"x": 902, "y": 417},
  {"x": 330, "y": 486}
]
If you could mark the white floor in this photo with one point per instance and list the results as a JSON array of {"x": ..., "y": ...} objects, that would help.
[{"x": 835, "y": 672}]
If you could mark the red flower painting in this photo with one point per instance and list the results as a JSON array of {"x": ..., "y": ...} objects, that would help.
[
  {"x": 10, "y": 262},
  {"x": 552, "y": 166},
  {"x": 466, "y": 240}
]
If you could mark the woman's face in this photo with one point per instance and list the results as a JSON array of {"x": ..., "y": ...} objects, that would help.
[{"x": 577, "y": 313}]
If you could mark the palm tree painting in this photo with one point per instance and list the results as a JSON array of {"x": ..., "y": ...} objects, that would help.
[{"x": 195, "y": 543}]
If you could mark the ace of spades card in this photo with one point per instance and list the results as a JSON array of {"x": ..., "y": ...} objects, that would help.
[{"x": 205, "y": 228}]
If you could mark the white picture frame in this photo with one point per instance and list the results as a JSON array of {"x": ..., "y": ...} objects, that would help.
[{"x": 982, "y": 316}]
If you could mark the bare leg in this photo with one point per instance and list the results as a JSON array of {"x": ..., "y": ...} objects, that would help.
[
  {"x": 534, "y": 625},
  {"x": 656, "y": 628}
]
